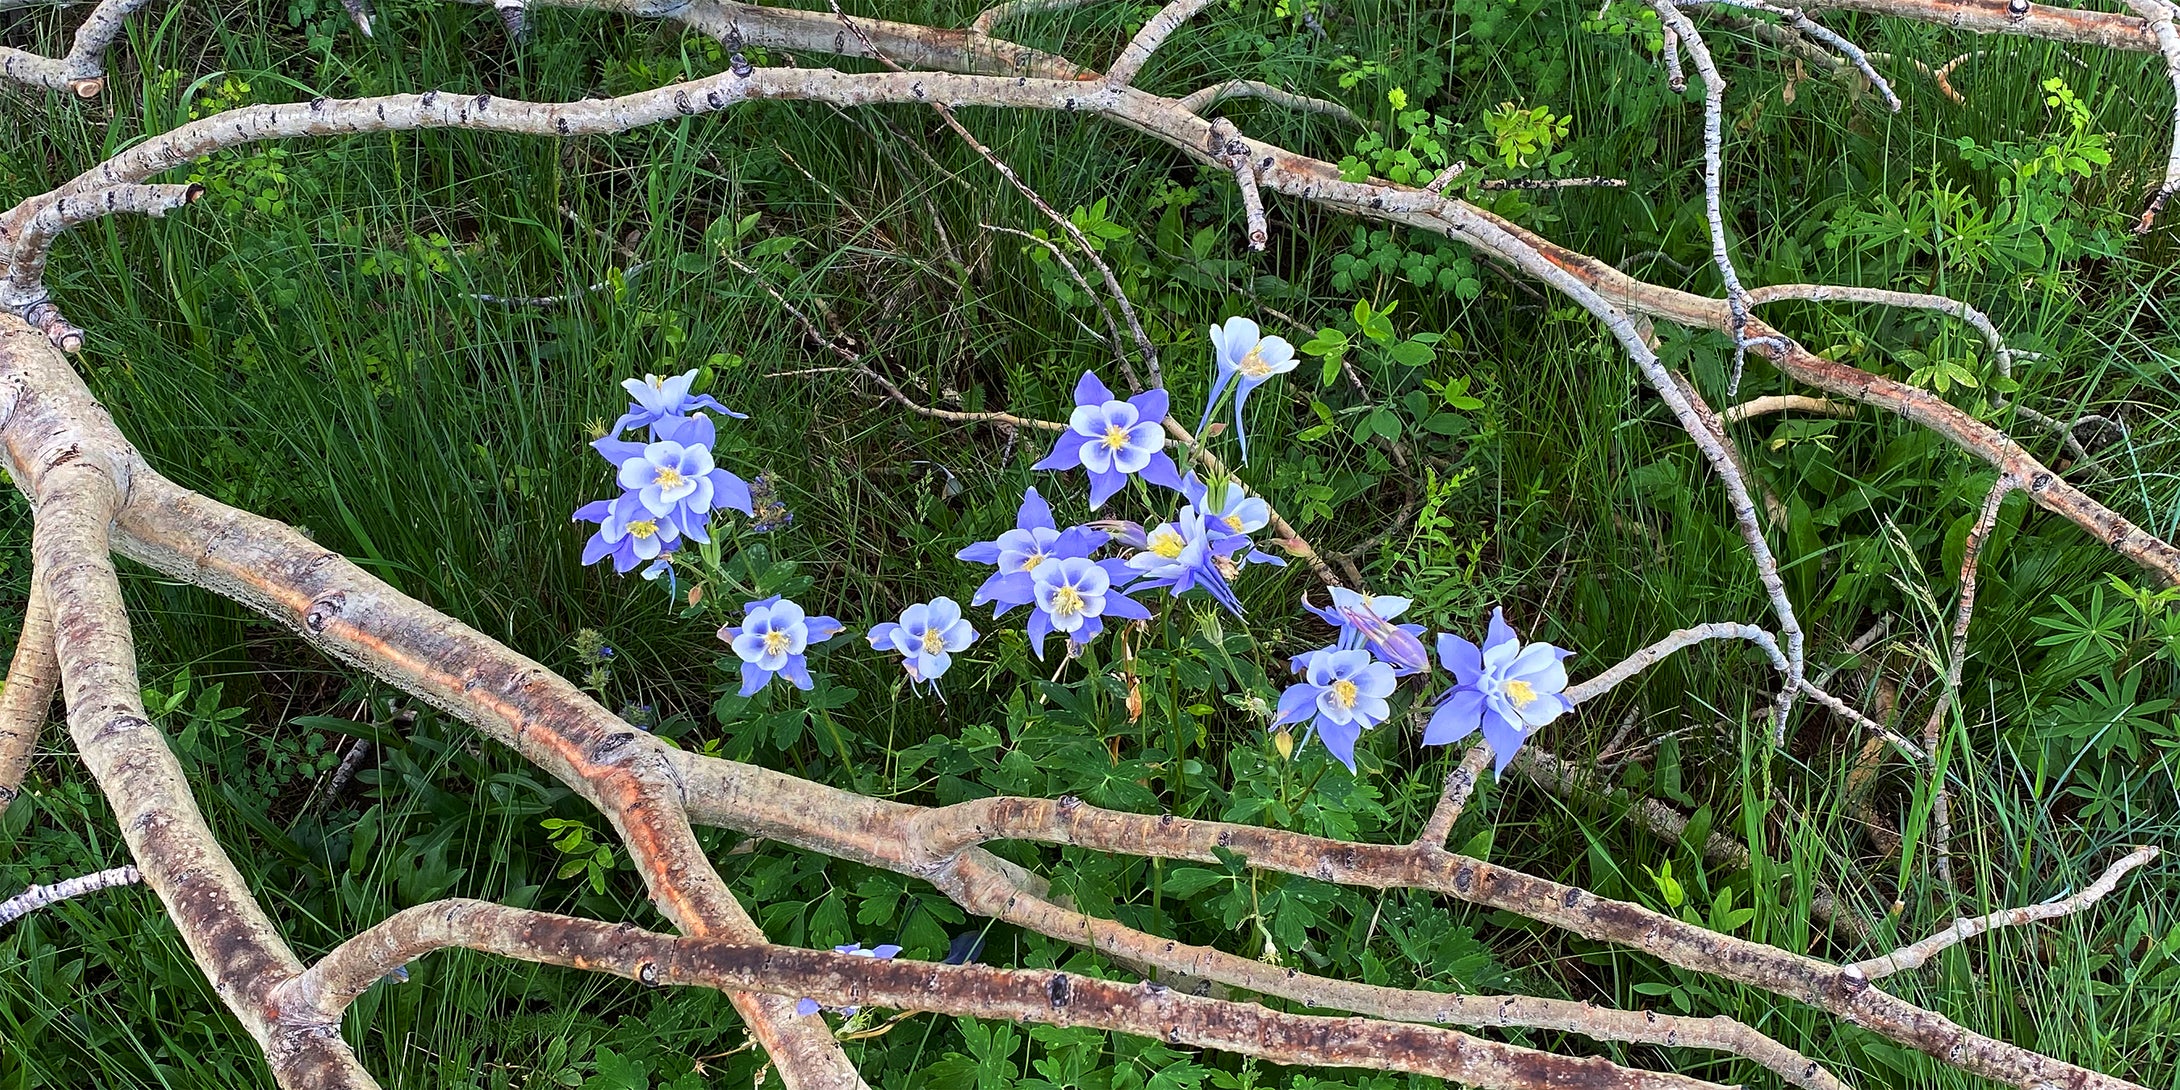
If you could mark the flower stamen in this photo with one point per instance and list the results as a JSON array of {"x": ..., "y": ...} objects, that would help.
[
  {"x": 933, "y": 643},
  {"x": 1116, "y": 437},
  {"x": 1344, "y": 692},
  {"x": 1166, "y": 543},
  {"x": 643, "y": 528},
  {"x": 1520, "y": 693},
  {"x": 775, "y": 642},
  {"x": 667, "y": 477},
  {"x": 1066, "y": 601}
]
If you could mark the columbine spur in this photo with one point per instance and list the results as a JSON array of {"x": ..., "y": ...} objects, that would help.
[
  {"x": 1366, "y": 620},
  {"x": 1247, "y": 359},
  {"x": 1182, "y": 554},
  {"x": 658, "y": 398}
]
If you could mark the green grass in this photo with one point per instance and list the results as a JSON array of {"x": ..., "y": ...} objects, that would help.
[{"x": 300, "y": 345}]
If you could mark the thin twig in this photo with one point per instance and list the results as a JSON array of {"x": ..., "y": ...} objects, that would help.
[
  {"x": 1782, "y": 403},
  {"x": 37, "y": 897},
  {"x": 1161, "y": 26},
  {"x": 1915, "y": 955},
  {"x": 2158, "y": 15},
  {"x": 1196, "y": 102},
  {"x": 1941, "y": 820}
]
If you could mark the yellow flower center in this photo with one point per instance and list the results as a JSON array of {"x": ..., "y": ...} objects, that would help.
[
  {"x": 933, "y": 643},
  {"x": 1166, "y": 543},
  {"x": 1030, "y": 562},
  {"x": 1253, "y": 364},
  {"x": 667, "y": 477},
  {"x": 1233, "y": 522},
  {"x": 775, "y": 642},
  {"x": 643, "y": 528},
  {"x": 1116, "y": 437},
  {"x": 1066, "y": 601},
  {"x": 1344, "y": 691},
  {"x": 1521, "y": 693},
  {"x": 655, "y": 381}
]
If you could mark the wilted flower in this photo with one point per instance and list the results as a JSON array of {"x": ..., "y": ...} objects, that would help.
[
  {"x": 627, "y": 532},
  {"x": 1114, "y": 440},
  {"x": 1229, "y": 509},
  {"x": 1252, "y": 358},
  {"x": 771, "y": 640},
  {"x": 1182, "y": 554},
  {"x": 1366, "y": 620},
  {"x": 884, "y": 951},
  {"x": 658, "y": 398},
  {"x": 926, "y": 637},
  {"x": 1342, "y": 693},
  {"x": 1073, "y": 597},
  {"x": 1506, "y": 687},
  {"x": 1034, "y": 540}
]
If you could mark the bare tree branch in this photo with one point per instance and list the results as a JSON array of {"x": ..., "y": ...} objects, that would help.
[
  {"x": 1196, "y": 102},
  {"x": 1783, "y": 403},
  {"x": 32, "y": 677},
  {"x": 1915, "y": 955},
  {"x": 1026, "y": 995},
  {"x": 977, "y": 885},
  {"x": 83, "y": 70},
  {"x": 67, "y": 458},
  {"x": 1161, "y": 26},
  {"x": 37, "y": 897},
  {"x": 2158, "y": 14}
]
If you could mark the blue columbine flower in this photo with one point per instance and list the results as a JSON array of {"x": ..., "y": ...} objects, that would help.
[
  {"x": 1074, "y": 595},
  {"x": 674, "y": 473},
  {"x": 628, "y": 532},
  {"x": 1244, "y": 352},
  {"x": 1342, "y": 694},
  {"x": 1114, "y": 440},
  {"x": 926, "y": 637},
  {"x": 1034, "y": 540},
  {"x": 659, "y": 398},
  {"x": 771, "y": 640},
  {"x": 1182, "y": 554},
  {"x": 884, "y": 951},
  {"x": 1507, "y": 687},
  {"x": 1230, "y": 509},
  {"x": 1365, "y": 620}
]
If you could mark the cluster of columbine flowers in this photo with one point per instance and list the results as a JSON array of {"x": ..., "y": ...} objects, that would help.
[
  {"x": 1506, "y": 688},
  {"x": 669, "y": 485}
]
